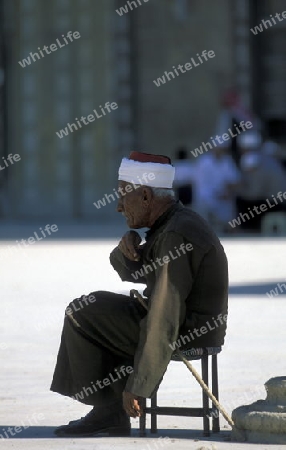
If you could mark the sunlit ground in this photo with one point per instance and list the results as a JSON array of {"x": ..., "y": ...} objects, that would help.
[{"x": 37, "y": 286}]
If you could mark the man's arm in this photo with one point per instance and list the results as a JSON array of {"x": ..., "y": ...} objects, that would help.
[{"x": 167, "y": 310}]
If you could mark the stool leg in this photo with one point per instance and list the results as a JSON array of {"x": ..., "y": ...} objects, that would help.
[
  {"x": 205, "y": 376},
  {"x": 142, "y": 419},
  {"x": 153, "y": 414},
  {"x": 215, "y": 420}
]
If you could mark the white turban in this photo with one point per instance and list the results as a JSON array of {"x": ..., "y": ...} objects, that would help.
[{"x": 146, "y": 173}]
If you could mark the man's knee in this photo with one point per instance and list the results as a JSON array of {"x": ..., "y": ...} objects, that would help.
[{"x": 80, "y": 303}]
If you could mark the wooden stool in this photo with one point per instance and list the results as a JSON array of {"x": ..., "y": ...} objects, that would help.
[{"x": 204, "y": 411}]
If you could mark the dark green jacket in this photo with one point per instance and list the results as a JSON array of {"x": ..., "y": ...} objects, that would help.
[{"x": 187, "y": 292}]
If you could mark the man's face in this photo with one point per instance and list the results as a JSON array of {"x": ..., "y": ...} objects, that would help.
[{"x": 133, "y": 204}]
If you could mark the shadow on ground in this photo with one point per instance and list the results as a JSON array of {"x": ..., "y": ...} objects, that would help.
[
  {"x": 33, "y": 432},
  {"x": 36, "y": 432},
  {"x": 279, "y": 288}
]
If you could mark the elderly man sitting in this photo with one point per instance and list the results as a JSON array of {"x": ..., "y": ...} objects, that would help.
[{"x": 113, "y": 352}]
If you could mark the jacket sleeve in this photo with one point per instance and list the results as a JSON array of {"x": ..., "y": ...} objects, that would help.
[
  {"x": 167, "y": 310},
  {"x": 127, "y": 270}
]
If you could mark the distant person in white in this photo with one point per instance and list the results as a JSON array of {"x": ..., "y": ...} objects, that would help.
[
  {"x": 262, "y": 176},
  {"x": 216, "y": 180},
  {"x": 233, "y": 111}
]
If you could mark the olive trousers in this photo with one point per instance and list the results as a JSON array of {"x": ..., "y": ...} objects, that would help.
[{"x": 99, "y": 339}]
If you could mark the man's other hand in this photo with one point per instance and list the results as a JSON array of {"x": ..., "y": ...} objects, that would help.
[
  {"x": 131, "y": 404},
  {"x": 129, "y": 245}
]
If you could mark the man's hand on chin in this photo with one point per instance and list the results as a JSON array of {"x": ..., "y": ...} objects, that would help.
[
  {"x": 131, "y": 404},
  {"x": 129, "y": 245}
]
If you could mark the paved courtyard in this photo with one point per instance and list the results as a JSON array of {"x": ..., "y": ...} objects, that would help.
[{"x": 39, "y": 281}]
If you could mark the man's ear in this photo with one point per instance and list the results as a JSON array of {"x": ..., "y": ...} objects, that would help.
[{"x": 147, "y": 194}]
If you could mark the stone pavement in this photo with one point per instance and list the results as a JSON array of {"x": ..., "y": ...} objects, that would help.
[{"x": 39, "y": 282}]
